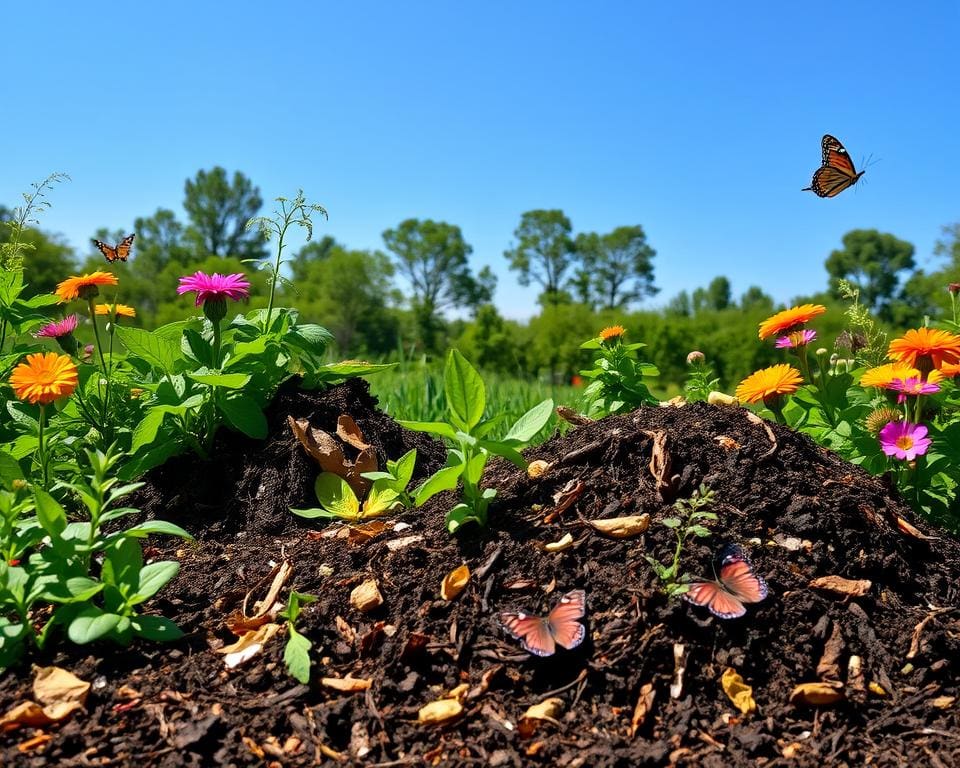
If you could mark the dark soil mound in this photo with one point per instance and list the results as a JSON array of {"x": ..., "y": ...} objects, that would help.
[{"x": 802, "y": 512}]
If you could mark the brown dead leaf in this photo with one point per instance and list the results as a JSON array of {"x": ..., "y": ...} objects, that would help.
[
  {"x": 738, "y": 691},
  {"x": 346, "y": 684},
  {"x": 356, "y": 535},
  {"x": 564, "y": 498},
  {"x": 441, "y": 711},
  {"x": 266, "y": 608},
  {"x": 943, "y": 702},
  {"x": 621, "y": 527},
  {"x": 564, "y": 542},
  {"x": 349, "y": 432},
  {"x": 910, "y": 530},
  {"x": 572, "y": 417},
  {"x": 454, "y": 582},
  {"x": 842, "y": 586},
  {"x": 59, "y": 694},
  {"x": 346, "y": 631},
  {"x": 415, "y": 646},
  {"x": 828, "y": 667},
  {"x": 326, "y": 451},
  {"x": 248, "y": 646},
  {"x": 817, "y": 694},
  {"x": 518, "y": 584},
  {"x": 484, "y": 684},
  {"x": 918, "y": 630},
  {"x": 373, "y": 638},
  {"x": 642, "y": 709},
  {"x": 548, "y": 709},
  {"x": 660, "y": 462},
  {"x": 727, "y": 443}
]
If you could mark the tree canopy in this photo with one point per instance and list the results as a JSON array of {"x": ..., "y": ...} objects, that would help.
[
  {"x": 218, "y": 209},
  {"x": 874, "y": 262},
  {"x": 544, "y": 252}
]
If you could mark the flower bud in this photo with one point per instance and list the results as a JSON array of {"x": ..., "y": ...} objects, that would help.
[
  {"x": 215, "y": 309},
  {"x": 695, "y": 358}
]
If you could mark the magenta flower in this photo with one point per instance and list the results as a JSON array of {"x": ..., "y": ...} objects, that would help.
[
  {"x": 914, "y": 385},
  {"x": 796, "y": 339},
  {"x": 215, "y": 287},
  {"x": 58, "y": 328},
  {"x": 904, "y": 440}
]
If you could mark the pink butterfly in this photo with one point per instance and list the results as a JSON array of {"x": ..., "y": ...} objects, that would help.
[
  {"x": 737, "y": 584},
  {"x": 540, "y": 635}
]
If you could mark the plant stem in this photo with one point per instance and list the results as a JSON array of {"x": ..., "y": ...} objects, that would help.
[
  {"x": 217, "y": 339},
  {"x": 41, "y": 453}
]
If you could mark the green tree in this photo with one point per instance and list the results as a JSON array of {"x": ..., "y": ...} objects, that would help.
[
  {"x": 616, "y": 269},
  {"x": 218, "y": 209},
  {"x": 493, "y": 342},
  {"x": 680, "y": 305},
  {"x": 926, "y": 293},
  {"x": 316, "y": 250},
  {"x": 543, "y": 253},
  {"x": 874, "y": 262},
  {"x": 755, "y": 299},
  {"x": 432, "y": 257},
  {"x": 161, "y": 239},
  {"x": 716, "y": 296}
]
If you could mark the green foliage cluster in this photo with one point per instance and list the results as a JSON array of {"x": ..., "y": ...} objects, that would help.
[{"x": 686, "y": 522}]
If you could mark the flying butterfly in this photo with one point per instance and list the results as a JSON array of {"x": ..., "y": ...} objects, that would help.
[
  {"x": 735, "y": 585},
  {"x": 118, "y": 253},
  {"x": 837, "y": 172},
  {"x": 540, "y": 635}
]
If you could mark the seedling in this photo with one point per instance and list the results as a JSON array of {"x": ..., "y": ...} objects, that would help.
[{"x": 687, "y": 522}]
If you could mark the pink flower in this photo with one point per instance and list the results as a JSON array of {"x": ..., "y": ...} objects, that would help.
[
  {"x": 215, "y": 287},
  {"x": 796, "y": 339},
  {"x": 904, "y": 440},
  {"x": 914, "y": 385},
  {"x": 58, "y": 328}
]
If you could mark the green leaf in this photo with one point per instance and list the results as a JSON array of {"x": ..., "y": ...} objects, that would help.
[
  {"x": 671, "y": 522},
  {"x": 699, "y": 531},
  {"x": 296, "y": 655},
  {"x": 460, "y": 515},
  {"x": 157, "y": 628},
  {"x": 526, "y": 427},
  {"x": 507, "y": 451},
  {"x": 313, "y": 513},
  {"x": 159, "y": 351},
  {"x": 379, "y": 501},
  {"x": 224, "y": 380},
  {"x": 403, "y": 469},
  {"x": 336, "y": 496},
  {"x": 146, "y": 431},
  {"x": 122, "y": 561},
  {"x": 245, "y": 415},
  {"x": 93, "y": 623},
  {"x": 78, "y": 589},
  {"x": 440, "y": 428},
  {"x": 157, "y": 526},
  {"x": 464, "y": 390},
  {"x": 153, "y": 577},
  {"x": 9, "y": 469},
  {"x": 445, "y": 479},
  {"x": 51, "y": 516}
]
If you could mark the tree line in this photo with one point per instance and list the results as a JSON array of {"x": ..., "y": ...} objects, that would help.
[{"x": 585, "y": 280}]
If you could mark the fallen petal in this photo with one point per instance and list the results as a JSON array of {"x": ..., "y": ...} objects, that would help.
[{"x": 454, "y": 582}]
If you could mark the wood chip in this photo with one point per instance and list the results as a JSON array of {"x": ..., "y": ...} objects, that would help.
[
  {"x": 644, "y": 704},
  {"x": 437, "y": 712},
  {"x": 346, "y": 684},
  {"x": 564, "y": 542},
  {"x": 366, "y": 596}
]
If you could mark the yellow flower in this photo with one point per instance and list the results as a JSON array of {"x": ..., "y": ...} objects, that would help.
[
  {"x": 122, "y": 310},
  {"x": 883, "y": 375},
  {"x": 790, "y": 319},
  {"x": 84, "y": 286},
  {"x": 612, "y": 333},
  {"x": 926, "y": 349},
  {"x": 44, "y": 377},
  {"x": 770, "y": 382}
]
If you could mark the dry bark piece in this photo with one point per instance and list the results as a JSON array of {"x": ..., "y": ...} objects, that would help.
[
  {"x": 828, "y": 667},
  {"x": 642, "y": 709},
  {"x": 454, "y": 582},
  {"x": 572, "y": 417},
  {"x": 564, "y": 542},
  {"x": 563, "y": 498},
  {"x": 818, "y": 694},
  {"x": 943, "y": 702},
  {"x": 440, "y": 711},
  {"x": 349, "y": 432},
  {"x": 738, "y": 691},
  {"x": 366, "y": 596},
  {"x": 660, "y": 462},
  {"x": 537, "y": 468},
  {"x": 621, "y": 527},
  {"x": 842, "y": 586},
  {"x": 346, "y": 684}
]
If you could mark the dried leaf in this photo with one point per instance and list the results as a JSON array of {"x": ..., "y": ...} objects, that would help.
[
  {"x": 792, "y": 543},
  {"x": 265, "y": 609},
  {"x": 828, "y": 667},
  {"x": 679, "y": 667},
  {"x": 460, "y": 692},
  {"x": 485, "y": 680},
  {"x": 326, "y": 451},
  {"x": 918, "y": 630},
  {"x": 660, "y": 461},
  {"x": 910, "y": 530},
  {"x": 642, "y": 709},
  {"x": 366, "y": 596},
  {"x": 441, "y": 711},
  {"x": 537, "y": 468},
  {"x": 840, "y": 585},
  {"x": 360, "y": 533},
  {"x": 346, "y": 631},
  {"x": 943, "y": 702},
  {"x": 564, "y": 498},
  {"x": 248, "y": 646},
  {"x": 738, "y": 691},
  {"x": 454, "y": 582},
  {"x": 548, "y": 709},
  {"x": 346, "y": 684},
  {"x": 727, "y": 443},
  {"x": 572, "y": 417},
  {"x": 521, "y": 584},
  {"x": 817, "y": 694},
  {"x": 59, "y": 694},
  {"x": 677, "y": 401},
  {"x": 563, "y": 543},
  {"x": 349, "y": 432},
  {"x": 622, "y": 527}
]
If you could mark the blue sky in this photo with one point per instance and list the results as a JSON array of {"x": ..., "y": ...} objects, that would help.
[{"x": 701, "y": 122}]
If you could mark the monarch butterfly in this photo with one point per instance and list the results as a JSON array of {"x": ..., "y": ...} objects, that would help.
[
  {"x": 737, "y": 584},
  {"x": 540, "y": 635},
  {"x": 837, "y": 172},
  {"x": 120, "y": 253}
]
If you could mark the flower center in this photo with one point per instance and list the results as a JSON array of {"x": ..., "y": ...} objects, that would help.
[
  {"x": 46, "y": 376},
  {"x": 905, "y": 442}
]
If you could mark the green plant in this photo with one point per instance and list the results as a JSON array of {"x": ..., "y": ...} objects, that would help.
[
  {"x": 468, "y": 445},
  {"x": 700, "y": 379},
  {"x": 616, "y": 380},
  {"x": 687, "y": 522},
  {"x": 338, "y": 499},
  {"x": 296, "y": 654},
  {"x": 397, "y": 477}
]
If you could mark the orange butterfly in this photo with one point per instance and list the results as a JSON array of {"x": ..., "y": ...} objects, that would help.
[
  {"x": 120, "y": 253},
  {"x": 837, "y": 172}
]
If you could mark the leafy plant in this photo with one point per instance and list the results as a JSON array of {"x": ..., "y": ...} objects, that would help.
[
  {"x": 337, "y": 499},
  {"x": 687, "y": 522},
  {"x": 700, "y": 379},
  {"x": 296, "y": 654},
  {"x": 616, "y": 380},
  {"x": 468, "y": 445},
  {"x": 397, "y": 477}
]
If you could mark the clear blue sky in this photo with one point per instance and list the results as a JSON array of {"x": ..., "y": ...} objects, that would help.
[{"x": 701, "y": 122}]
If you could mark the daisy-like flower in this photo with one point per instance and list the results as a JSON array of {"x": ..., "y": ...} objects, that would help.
[
  {"x": 904, "y": 440},
  {"x": 58, "y": 328},
  {"x": 926, "y": 349},
  {"x": 914, "y": 385},
  {"x": 613, "y": 333},
  {"x": 121, "y": 310},
  {"x": 84, "y": 286},
  {"x": 789, "y": 319},
  {"x": 883, "y": 375},
  {"x": 44, "y": 377},
  {"x": 214, "y": 287},
  {"x": 768, "y": 384},
  {"x": 879, "y": 418},
  {"x": 796, "y": 339},
  {"x": 947, "y": 370}
]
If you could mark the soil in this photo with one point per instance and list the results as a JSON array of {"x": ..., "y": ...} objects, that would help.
[{"x": 800, "y": 511}]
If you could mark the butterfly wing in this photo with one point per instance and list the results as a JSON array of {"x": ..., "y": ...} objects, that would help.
[
  {"x": 124, "y": 246},
  {"x": 533, "y": 632},
  {"x": 108, "y": 251},
  {"x": 837, "y": 172},
  {"x": 712, "y": 595},
  {"x": 563, "y": 619},
  {"x": 738, "y": 577}
]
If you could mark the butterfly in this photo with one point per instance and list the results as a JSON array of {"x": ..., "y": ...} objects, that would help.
[
  {"x": 837, "y": 172},
  {"x": 737, "y": 584},
  {"x": 120, "y": 253},
  {"x": 540, "y": 635}
]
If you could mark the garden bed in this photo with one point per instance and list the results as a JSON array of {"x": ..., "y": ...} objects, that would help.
[{"x": 801, "y": 512}]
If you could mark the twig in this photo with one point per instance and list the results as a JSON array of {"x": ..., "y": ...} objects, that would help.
[
  {"x": 754, "y": 419},
  {"x": 548, "y": 694}
]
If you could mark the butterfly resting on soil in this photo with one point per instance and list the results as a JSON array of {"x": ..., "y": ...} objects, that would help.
[
  {"x": 837, "y": 172},
  {"x": 540, "y": 635},
  {"x": 736, "y": 584}
]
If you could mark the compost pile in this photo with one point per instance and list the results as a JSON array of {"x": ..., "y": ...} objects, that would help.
[{"x": 881, "y": 645}]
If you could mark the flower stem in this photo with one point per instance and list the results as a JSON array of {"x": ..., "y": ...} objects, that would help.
[
  {"x": 41, "y": 451},
  {"x": 216, "y": 344}
]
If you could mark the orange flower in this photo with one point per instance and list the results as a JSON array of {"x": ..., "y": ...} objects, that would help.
[
  {"x": 122, "y": 310},
  {"x": 44, "y": 377},
  {"x": 883, "y": 375},
  {"x": 768, "y": 383},
  {"x": 85, "y": 286},
  {"x": 947, "y": 370},
  {"x": 789, "y": 319},
  {"x": 612, "y": 333},
  {"x": 926, "y": 349}
]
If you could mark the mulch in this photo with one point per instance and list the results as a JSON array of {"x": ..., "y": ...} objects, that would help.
[{"x": 801, "y": 512}]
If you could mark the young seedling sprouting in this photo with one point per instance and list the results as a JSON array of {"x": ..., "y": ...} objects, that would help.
[{"x": 688, "y": 521}]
